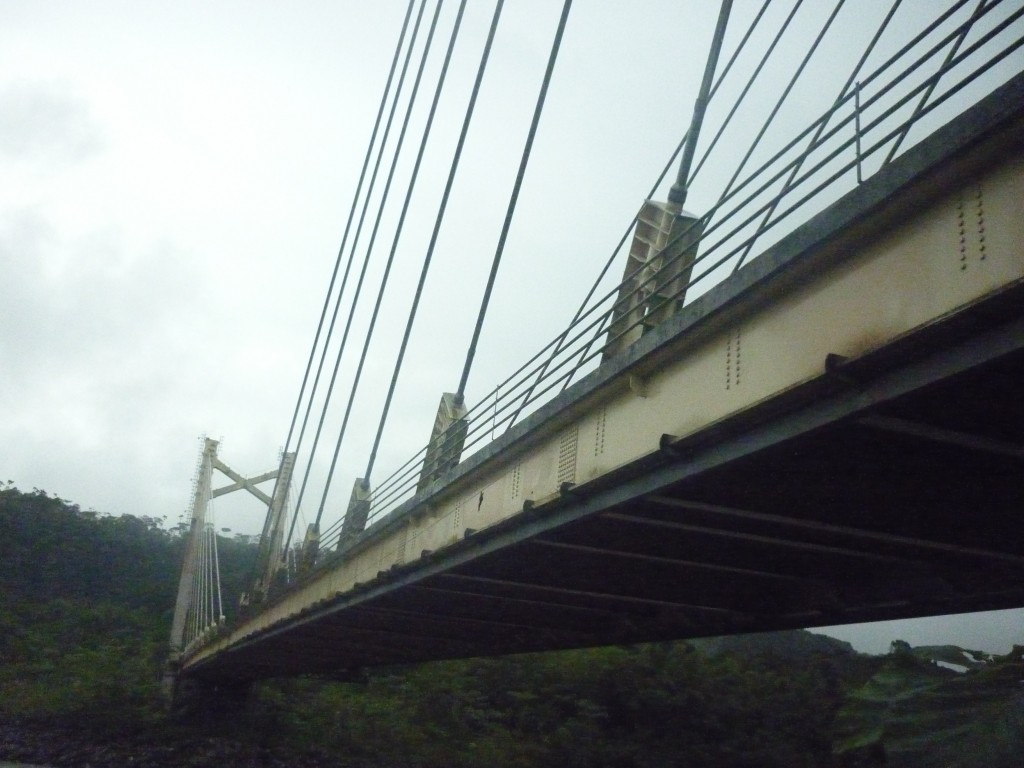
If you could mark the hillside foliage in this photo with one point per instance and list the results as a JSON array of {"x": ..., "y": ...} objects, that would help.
[{"x": 85, "y": 608}]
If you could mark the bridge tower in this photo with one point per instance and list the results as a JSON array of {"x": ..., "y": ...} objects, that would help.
[
  {"x": 272, "y": 538},
  {"x": 198, "y": 610},
  {"x": 197, "y": 527}
]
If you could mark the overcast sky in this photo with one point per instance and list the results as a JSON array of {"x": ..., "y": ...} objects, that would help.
[{"x": 176, "y": 180}]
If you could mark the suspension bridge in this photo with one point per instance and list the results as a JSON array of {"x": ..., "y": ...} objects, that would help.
[{"x": 800, "y": 406}]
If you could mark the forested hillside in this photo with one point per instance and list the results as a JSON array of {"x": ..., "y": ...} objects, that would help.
[{"x": 85, "y": 607}]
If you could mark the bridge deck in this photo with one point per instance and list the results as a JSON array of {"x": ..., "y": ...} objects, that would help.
[{"x": 842, "y": 442}]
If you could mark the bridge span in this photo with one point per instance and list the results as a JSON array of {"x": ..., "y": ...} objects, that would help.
[{"x": 834, "y": 434}]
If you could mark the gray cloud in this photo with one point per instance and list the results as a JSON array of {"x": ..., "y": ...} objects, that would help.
[
  {"x": 46, "y": 121},
  {"x": 76, "y": 300},
  {"x": 88, "y": 347}
]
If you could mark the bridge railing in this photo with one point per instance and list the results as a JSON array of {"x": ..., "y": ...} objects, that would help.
[{"x": 897, "y": 93}]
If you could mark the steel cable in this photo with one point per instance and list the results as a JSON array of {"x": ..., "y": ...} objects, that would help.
[
  {"x": 373, "y": 236},
  {"x": 761, "y": 169},
  {"x": 730, "y": 194},
  {"x": 629, "y": 228},
  {"x": 792, "y": 169},
  {"x": 979, "y": 11},
  {"x": 874, "y": 75},
  {"x": 334, "y": 275},
  {"x": 725, "y": 71},
  {"x": 496, "y": 261},
  {"x": 814, "y": 142},
  {"x": 358, "y": 289},
  {"x": 877, "y": 121},
  {"x": 812, "y": 127},
  {"x": 437, "y": 228}
]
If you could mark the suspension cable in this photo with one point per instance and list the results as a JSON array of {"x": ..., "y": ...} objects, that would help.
[
  {"x": 337, "y": 265},
  {"x": 216, "y": 571},
  {"x": 757, "y": 71},
  {"x": 827, "y": 116},
  {"x": 558, "y": 344},
  {"x": 355, "y": 299},
  {"x": 785, "y": 94},
  {"x": 394, "y": 245},
  {"x": 804, "y": 157},
  {"x": 979, "y": 11},
  {"x": 437, "y": 228},
  {"x": 869, "y": 151},
  {"x": 632, "y": 223},
  {"x": 373, "y": 237},
  {"x": 599, "y": 326},
  {"x": 677, "y": 194},
  {"x": 471, "y": 353},
  {"x": 831, "y": 111},
  {"x": 789, "y": 87},
  {"x": 730, "y": 193},
  {"x": 813, "y": 143},
  {"x": 721, "y": 78}
]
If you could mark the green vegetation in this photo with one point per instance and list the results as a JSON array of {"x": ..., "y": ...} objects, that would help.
[
  {"x": 85, "y": 607},
  {"x": 918, "y": 713},
  {"x": 650, "y": 705}
]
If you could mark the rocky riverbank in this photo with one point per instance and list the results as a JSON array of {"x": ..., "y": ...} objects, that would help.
[{"x": 76, "y": 747}]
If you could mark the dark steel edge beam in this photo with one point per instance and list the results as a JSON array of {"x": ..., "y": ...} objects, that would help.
[
  {"x": 905, "y": 609},
  {"x": 940, "y": 435},
  {"x": 842, "y": 530},
  {"x": 555, "y": 600},
  {"x": 666, "y": 560},
  {"x": 771, "y": 541},
  {"x": 347, "y": 642},
  {"x": 599, "y": 595},
  {"x": 359, "y": 623},
  {"x": 485, "y": 596},
  {"x": 379, "y": 639},
  {"x": 446, "y": 618}
]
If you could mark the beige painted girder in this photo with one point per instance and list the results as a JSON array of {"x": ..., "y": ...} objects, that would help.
[{"x": 966, "y": 245}]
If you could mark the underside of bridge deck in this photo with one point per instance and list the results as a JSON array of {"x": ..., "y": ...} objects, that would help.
[
  {"x": 884, "y": 484},
  {"x": 890, "y": 487}
]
